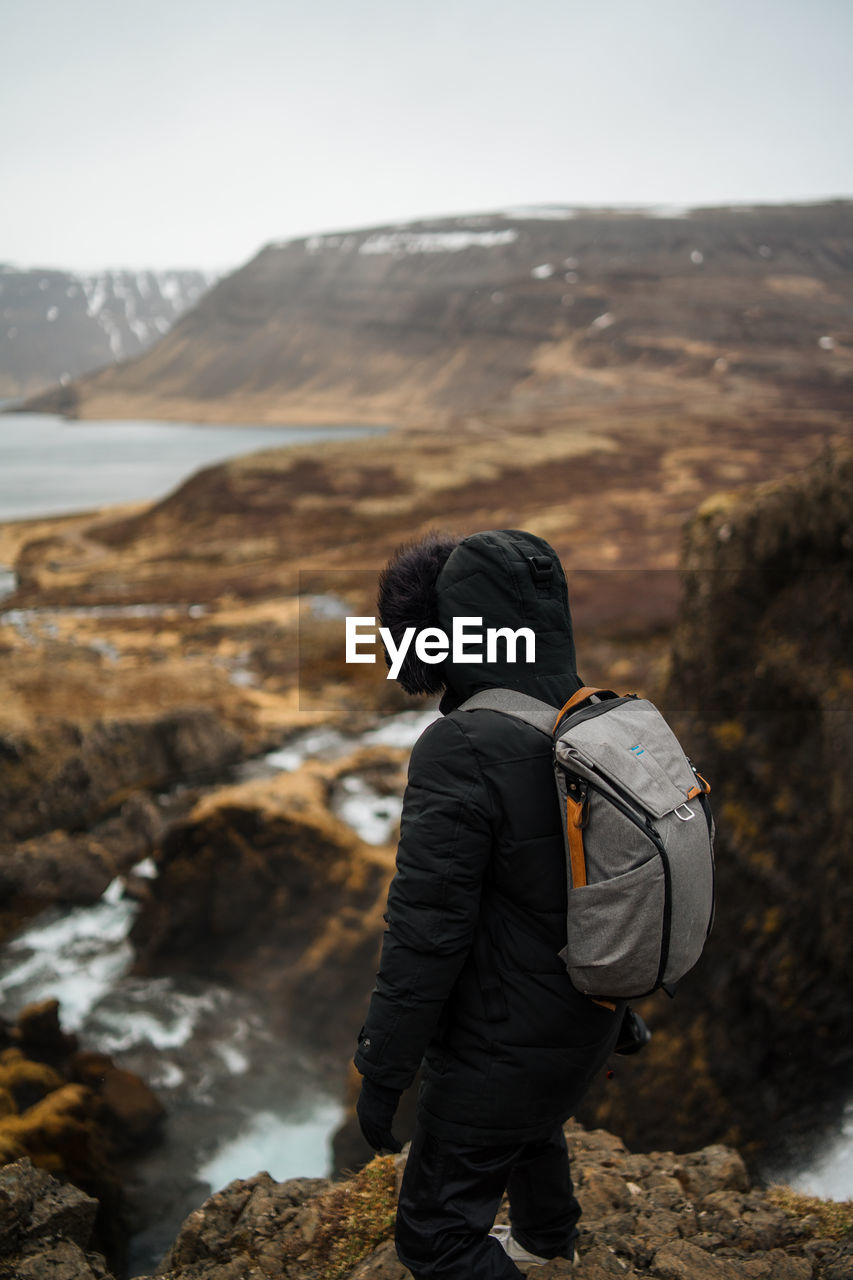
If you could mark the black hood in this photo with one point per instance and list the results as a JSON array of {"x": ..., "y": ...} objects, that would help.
[{"x": 513, "y": 579}]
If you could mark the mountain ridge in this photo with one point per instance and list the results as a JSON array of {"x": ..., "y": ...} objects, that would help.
[
  {"x": 437, "y": 318},
  {"x": 57, "y": 324}
]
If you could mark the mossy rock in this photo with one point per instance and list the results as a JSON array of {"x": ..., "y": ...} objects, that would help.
[{"x": 28, "y": 1082}]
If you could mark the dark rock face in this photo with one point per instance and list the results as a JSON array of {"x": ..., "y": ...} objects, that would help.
[
  {"x": 262, "y": 885},
  {"x": 75, "y": 868},
  {"x": 45, "y": 1227},
  {"x": 761, "y": 688},
  {"x": 74, "y": 811},
  {"x": 79, "y": 1116},
  {"x": 83, "y": 773}
]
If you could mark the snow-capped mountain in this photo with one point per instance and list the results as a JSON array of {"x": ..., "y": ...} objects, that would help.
[
  {"x": 55, "y": 325},
  {"x": 427, "y": 320}
]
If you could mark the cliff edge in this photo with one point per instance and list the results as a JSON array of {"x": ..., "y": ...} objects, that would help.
[
  {"x": 688, "y": 1217},
  {"x": 757, "y": 1044}
]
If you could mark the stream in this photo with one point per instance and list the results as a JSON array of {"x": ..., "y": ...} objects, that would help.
[{"x": 239, "y": 1099}]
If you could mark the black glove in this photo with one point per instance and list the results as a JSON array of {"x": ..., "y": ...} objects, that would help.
[
  {"x": 634, "y": 1035},
  {"x": 375, "y": 1110}
]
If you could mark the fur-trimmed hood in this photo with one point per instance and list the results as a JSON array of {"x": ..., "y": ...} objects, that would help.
[{"x": 507, "y": 577}]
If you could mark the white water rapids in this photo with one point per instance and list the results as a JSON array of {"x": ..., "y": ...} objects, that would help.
[{"x": 238, "y": 1099}]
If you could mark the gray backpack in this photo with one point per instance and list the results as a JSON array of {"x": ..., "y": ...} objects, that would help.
[{"x": 639, "y": 840}]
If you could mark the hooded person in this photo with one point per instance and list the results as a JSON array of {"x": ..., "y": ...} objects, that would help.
[{"x": 471, "y": 986}]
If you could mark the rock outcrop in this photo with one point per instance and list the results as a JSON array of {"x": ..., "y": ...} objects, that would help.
[
  {"x": 688, "y": 1217},
  {"x": 77, "y": 1115},
  {"x": 76, "y": 804},
  {"x": 45, "y": 1228},
  {"x": 761, "y": 687},
  {"x": 84, "y": 772},
  {"x": 667, "y": 1217},
  {"x": 261, "y": 884}
]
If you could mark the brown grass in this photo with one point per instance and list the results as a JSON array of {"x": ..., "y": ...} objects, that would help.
[
  {"x": 834, "y": 1218},
  {"x": 355, "y": 1217}
]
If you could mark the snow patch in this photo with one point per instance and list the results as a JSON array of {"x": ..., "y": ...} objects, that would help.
[
  {"x": 667, "y": 211},
  {"x": 170, "y": 289},
  {"x": 96, "y": 294},
  {"x": 399, "y": 243},
  {"x": 541, "y": 212},
  {"x": 320, "y": 244}
]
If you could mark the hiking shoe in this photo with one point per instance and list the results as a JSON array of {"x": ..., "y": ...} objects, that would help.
[{"x": 514, "y": 1250}]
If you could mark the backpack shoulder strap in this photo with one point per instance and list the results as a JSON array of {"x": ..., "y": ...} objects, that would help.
[
  {"x": 512, "y": 703},
  {"x": 578, "y": 697}
]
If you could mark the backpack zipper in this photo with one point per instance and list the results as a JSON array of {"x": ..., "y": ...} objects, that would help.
[{"x": 642, "y": 822}]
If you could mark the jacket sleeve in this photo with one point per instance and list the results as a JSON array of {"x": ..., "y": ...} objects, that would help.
[{"x": 433, "y": 903}]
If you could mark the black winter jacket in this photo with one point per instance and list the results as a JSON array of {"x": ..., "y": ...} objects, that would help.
[{"x": 470, "y": 979}]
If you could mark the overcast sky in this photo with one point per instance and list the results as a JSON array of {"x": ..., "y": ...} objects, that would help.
[{"x": 192, "y": 132}]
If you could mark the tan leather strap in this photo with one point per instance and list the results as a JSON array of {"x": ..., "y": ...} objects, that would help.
[
  {"x": 574, "y": 827},
  {"x": 580, "y": 696},
  {"x": 704, "y": 790}
]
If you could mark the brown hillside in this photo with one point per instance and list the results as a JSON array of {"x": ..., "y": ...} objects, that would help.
[{"x": 480, "y": 313}]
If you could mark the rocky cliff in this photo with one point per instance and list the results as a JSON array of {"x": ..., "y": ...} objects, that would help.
[
  {"x": 500, "y": 311},
  {"x": 759, "y": 684},
  {"x": 57, "y": 325},
  {"x": 262, "y": 885},
  {"x": 76, "y": 806},
  {"x": 667, "y": 1217},
  {"x": 757, "y": 1044},
  {"x": 75, "y": 1113}
]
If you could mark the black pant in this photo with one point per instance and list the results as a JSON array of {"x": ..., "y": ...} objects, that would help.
[{"x": 450, "y": 1195}]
